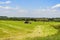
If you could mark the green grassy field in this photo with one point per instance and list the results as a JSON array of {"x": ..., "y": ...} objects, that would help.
[{"x": 18, "y": 30}]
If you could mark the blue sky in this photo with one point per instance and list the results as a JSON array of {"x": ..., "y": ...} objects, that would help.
[{"x": 30, "y": 8}]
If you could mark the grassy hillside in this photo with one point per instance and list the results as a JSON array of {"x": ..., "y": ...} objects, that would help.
[{"x": 18, "y": 30}]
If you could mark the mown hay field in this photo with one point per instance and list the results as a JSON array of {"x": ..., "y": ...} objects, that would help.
[{"x": 18, "y": 30}]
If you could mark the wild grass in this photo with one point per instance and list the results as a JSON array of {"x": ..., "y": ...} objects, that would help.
[{"x": 18, "y": 30}]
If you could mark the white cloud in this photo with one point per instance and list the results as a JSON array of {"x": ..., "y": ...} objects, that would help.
[
  {"x": 5, "y": 7},
  {"x": 56, "y": 6},
  {"x": 16, "y": 11},
  {"x": 45, "y": 13},
  {"x": 9, "y": 11},
  {"x": 22, "y": 11},
  {"x": 6, "y": 2},
  {"x": 6, "y": 10},
  {"x": 1, "y": 7}
]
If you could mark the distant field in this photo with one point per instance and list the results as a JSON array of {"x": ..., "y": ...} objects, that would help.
[{"x": 18, "y": 30}]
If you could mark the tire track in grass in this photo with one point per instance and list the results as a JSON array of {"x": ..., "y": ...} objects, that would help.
[
  {"x": 4, "y": 33},
  {"x": 12, "y": 26},
  {"x": 42, "y": 31},
  {"x": 4, "y": 30},
  {"x": 39, "y": 31}
]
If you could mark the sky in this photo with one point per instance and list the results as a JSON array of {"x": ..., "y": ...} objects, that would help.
[{"x": 30, "y": 8}]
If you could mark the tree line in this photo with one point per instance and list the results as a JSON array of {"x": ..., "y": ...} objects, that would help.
[{"x": 29, "y": 19}]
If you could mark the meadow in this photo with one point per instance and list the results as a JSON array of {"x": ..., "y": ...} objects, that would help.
[{"x": 18, "y": 30}]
